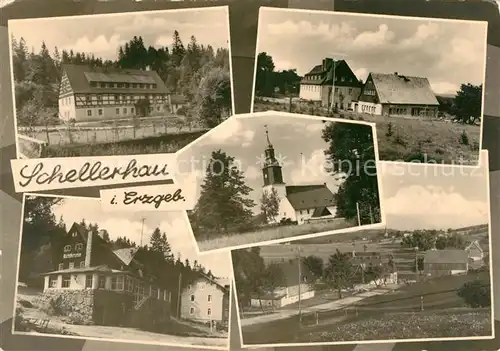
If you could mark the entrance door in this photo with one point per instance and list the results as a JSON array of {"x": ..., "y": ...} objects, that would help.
[{"x": 99, "y": 314}]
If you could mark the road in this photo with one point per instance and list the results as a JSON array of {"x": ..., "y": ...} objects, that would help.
[{"x": 329, "y": 306}]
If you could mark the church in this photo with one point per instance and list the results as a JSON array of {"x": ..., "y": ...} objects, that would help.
[{"x": 299, "y": 203}]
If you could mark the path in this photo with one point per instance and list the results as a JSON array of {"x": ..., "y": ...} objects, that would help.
[{"x": 329, "y": 306}]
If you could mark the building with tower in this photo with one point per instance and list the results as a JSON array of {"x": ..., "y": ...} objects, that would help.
[{"x": 299, "y": 203}]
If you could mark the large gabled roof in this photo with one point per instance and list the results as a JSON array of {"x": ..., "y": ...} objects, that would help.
[
  {"x": 446, "y": 256},
  {"x": 393, "y": 88},
  {"x": 303, "y": 197},
  {"x": 79, "y": 77}
]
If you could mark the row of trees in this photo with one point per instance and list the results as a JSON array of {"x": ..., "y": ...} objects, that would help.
[
  {"x": 268, "y": 81},
  {"x": 465, "y": 107},
  {"x": 425, "y": 240},
  {"x": 41, "y": 252},
  {"x": 255, "y": 279},
  {"x": 224, "y": 204},
  {"x": 198, "y": 72}
]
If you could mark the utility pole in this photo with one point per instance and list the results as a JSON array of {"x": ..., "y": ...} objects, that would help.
[
  {"x": 300, "y": 282},
  {"x": 357, "y": 210},
  {"x": 179, "y": 296},
  {"x": 142, "y": 228}
]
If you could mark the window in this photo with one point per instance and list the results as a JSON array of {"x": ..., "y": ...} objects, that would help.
[
  {"x": 154, "y": 292},
  {"x": 65, "y": 280},
  {"x": 165, "y": 295},
  {"x": 89, "y": 113},
  {"x": 67, "y": 248},
  {"x": 79, "y": 247},
  {"x": 134, "y": 85},
  {"x": 102, "y": 282},
  {"x": 117, "y": 282},
  {"x": 124, "y": 110},
  {"x": 154, "y": 86},
  {"x": 209, "y": 298},
  {"x": 120, "y": 85},
  {"x": 99, "y": 98},
  {"x": 99, "y": 112},
  {"x": 127, "y": 85},
  {"x": 209, "y": 312},
  {"x": 132, "y": 110},
  {"x": 52, "y": 282},
  {"x": 130, "y": 284},
  {"x": 93, "y": 84},
  {"x": 61, "y": 266},
  {"x": 192, "y": 298},
  {"x": 158, "y": 108},
  {"x": 117, "y": 111},
  {"x": 71, "y": 265},
  {"x": 89, "y": 278},
  {"x": 350, "y": 91},
  {"x": 191, "y": 310},
  {"x": 103, "y": 85},
  {"x": 82, "y": 264}
]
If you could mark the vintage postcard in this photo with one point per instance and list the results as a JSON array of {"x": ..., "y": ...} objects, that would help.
[
  {"x": 420, "y": 80},
  {"x": 426, "y": 275},
  {"x": 84, "y": 273},
  {"x": 272, "y": 176},
  {"x": 133, "y": 83}
]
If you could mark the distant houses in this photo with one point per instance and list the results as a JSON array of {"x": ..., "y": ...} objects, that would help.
[
  {"x": 297, "y": 283},
  {"x": 387, "y": 94},
  {"x": 205, "y": 299},
  {"x": 475, "y": 251}
]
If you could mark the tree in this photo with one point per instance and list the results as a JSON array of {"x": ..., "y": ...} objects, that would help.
[
  {"x": 223, "y": 200},
  {"x": 315, "y": 265},
  {"x": 213, "y": 97},
  {"x": 420, "y": 239},
  {"x": 373, "y": 273},
  {"x": 467, "y": 104},
  {"x": 476, "y": 294},
  {"x": 248, "y": 266},
  {"x": 351, "y": 157},
  {"x": 339, "y": 272},
  {"x": 159, "y": 243},
  {"x": 264, "y": 86},
  {"x": 272, "y": 278},
  {"x": 178, "y": 50},
  {"x": 270, "y": 205}
]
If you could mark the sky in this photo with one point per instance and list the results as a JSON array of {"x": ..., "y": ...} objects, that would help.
[
  {"x": 418, "y": 196},
  {"x": 103, "y": 34},
  {"x": 245, "y": 139},
  {"x": 448, "y": 53},
  {"x": 174, "y": 224}
]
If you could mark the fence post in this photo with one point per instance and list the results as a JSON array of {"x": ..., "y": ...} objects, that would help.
[
  {"x": 317, "y": 317},
  {"x": 421, "y": 303},
  {"x": 356, "y": 309},
  {"x": 211, "y": 326}
]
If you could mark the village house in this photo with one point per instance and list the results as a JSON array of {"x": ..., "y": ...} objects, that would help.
[
  {"x": 445, "y": 262},
  {"x": 206, "y": 299},
  {"x": 317, "y": 84},
  {"x": 475, "y": 251},
  {"x": 297, "y": 283},
  {"x": 92, "y": 93},
  {"x": 100, "y": 286},
  {"x": 394, "y": 94},
  {"x": 299, "y": 203}
]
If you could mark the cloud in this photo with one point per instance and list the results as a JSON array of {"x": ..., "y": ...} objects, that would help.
[
  {"x": 252, "y": 172},
  {"x": 361, "y": 73},
  {"x": 232, "y": 131},
  {"x": 427, "y": 31},
  {"x": 311, "y": 169},
  {"x": 125, "y": 227},
  {"x": 434, "y": 207},
  {"x": 283, "y": 65},
  {"x": 304, "y": 29},
  {"x": 99, "y": 46},
  {"x": 444, "y": 87},
  {"x": 376, "y": 38}
]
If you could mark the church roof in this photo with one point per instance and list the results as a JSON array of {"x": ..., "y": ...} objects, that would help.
[{"x": 303, "y": 197}]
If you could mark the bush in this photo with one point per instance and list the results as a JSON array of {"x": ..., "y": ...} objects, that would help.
[
  {"x": 464, "y": 138},
  {"x": 475, "y": 294}
]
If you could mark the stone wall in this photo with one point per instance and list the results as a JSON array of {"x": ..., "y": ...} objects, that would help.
[{"x": 77, "y": 305}]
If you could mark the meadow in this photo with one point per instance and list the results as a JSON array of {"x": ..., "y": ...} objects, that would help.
[{"x": 404, "y": 139}]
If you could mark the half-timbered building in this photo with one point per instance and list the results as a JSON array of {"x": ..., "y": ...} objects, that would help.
[{"x": 94, "y": 93}]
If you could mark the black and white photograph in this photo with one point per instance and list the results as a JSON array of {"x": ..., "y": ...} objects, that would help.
[
  {"x": 118, "y": 276},
  {"x": 271, "y": 176},
  {"x": 419, "y": 79},
  {"x": 424, "y": 275},
  {"x": 119, "y": 84}
]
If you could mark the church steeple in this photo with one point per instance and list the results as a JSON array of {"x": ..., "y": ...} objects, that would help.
[{"x": 272, "y": 170}]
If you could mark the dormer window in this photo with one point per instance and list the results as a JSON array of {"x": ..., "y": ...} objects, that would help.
[
  {"x": 67, "y": 248},
  {"x": 79, "y": 247}
]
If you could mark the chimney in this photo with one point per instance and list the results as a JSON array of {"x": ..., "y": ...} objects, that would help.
[
  {"x": 323, "y": 65},
  {"x": 395, "y": 73},
  {"x": 88, "y": 249}
]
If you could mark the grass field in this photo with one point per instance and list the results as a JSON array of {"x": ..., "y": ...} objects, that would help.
[
  {"x": 274, "y": 233},
  {"x": 408, "y": 139},
  {"x": 394, "y": 315}
]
